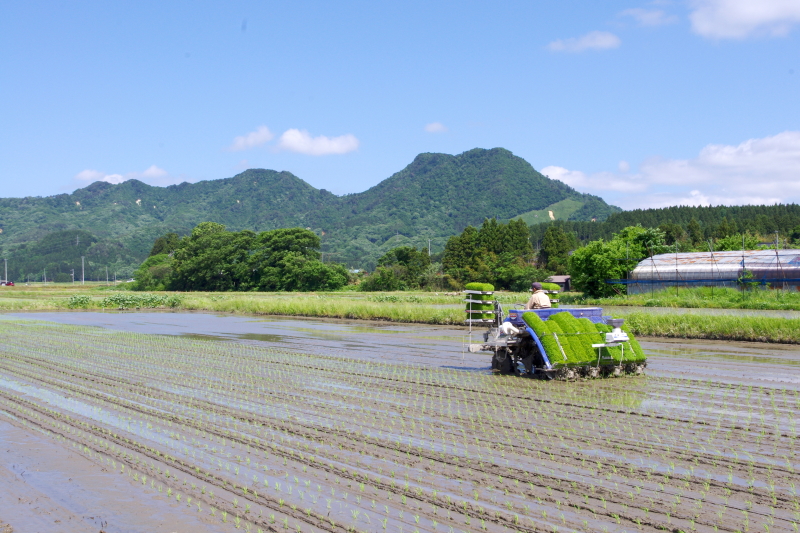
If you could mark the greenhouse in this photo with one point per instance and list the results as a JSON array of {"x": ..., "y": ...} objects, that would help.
[{"x": 777, "y": 269}]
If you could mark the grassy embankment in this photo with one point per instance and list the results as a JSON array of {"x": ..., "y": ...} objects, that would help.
[
  {"x": 412, "y": 307},
  {"x": 700, "y": 297}
]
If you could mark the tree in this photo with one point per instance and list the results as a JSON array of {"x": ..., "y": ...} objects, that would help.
[
  {"x": 411, "y": 263},
  {"x": 154, "y": 274},
  {"x": 795, "y": 235},
  {"x": 214, "y": 259},
  {"x": 672, "y": 233},
  {"x": 165, "y": 244},
  {"x": 602, "y": 260},
  {"x": 487, "y": 254},
  {"x": 725, "y": 228},
  {"x": 736, "y": 242},
  {"x": 383, "y": 279},
  {"x": 695, "y": 232},
  {"x": 554, "y": 254}
]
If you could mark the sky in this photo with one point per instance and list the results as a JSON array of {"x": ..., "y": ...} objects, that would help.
[{"x": 644, "y": 103}]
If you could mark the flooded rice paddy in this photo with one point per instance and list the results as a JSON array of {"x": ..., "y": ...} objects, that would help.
[{"x": 198, "y": 422}]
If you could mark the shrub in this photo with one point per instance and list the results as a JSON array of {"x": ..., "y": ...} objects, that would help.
[
  {"x": 140, "y": 301},
  {"x": 78, "y": 301}
]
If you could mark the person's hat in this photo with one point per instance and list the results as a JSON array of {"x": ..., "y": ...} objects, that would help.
[{"x": 536, "y": 286}]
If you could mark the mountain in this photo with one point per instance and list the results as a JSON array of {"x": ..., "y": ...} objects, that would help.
[{"x": 434, "y": 197}]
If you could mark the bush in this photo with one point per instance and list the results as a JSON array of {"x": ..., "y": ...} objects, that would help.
[
  {"x": 383, "y": 279},
  {"x": 140, "y": 301},
  {"x": 78, "y": 301}
]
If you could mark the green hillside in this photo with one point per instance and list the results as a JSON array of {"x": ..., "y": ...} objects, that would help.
[
  {"x": 434, "y": 197},
  {"x": 688, "y": 223}
]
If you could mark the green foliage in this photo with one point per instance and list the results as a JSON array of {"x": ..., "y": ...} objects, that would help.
[
  {"x": 404, "y": 267},
  {"x": 434, "y": 197},
  {"x": 556, "y": 245},
  {"x": 214, "y": 259},
  {"x": 600, "y": 260},
  {"x": 165, "y": 244},
  {"x": 700, "y": 297},
  {"x": 78, "y": 301},
  {"x": 124, "y": 300},
  {"x": 737, "y": 242},
  {"x": 60, "y": 252},
  {"x": 384, "y": 279},
  {"x": 498, "y": 252},
  {"x": 691, "y": 227},
  {"x": 154, "y": 274}
]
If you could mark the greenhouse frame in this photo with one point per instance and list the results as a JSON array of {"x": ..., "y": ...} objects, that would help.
[{"x": 776, "y": 269}]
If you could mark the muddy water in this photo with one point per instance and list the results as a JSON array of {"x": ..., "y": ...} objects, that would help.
[
  {"x": 410, "y": 343},
  {"x": 231, "y": 411},
  {"x": 441, "y": 346},
  {"x": 46, "y": 487}
]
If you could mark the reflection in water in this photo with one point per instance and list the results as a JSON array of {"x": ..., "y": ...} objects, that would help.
[{"x": 440, "y": 346}]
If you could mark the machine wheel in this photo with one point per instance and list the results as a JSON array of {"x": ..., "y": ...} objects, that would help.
[{"x": 501, "y": 361}]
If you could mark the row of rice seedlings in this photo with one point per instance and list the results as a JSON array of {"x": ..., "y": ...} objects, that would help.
[{"x": 448, "y": 412}]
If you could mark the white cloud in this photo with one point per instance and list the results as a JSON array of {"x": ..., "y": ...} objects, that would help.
[
  {"x": 153, "y": 175},
  {"x": 93, "y": 175},
  {"x": 300, "y": 141},
  {"x": 435, "y": 127},
  {"x": 114, "y": 178},
  {"x": 756, "y": 171},
  {"x": 594, "y": 40},
  {"x": 649, "y": 17},
  {"x": 89, "y": 175},
  {"x": 255, "y": 138},
  {"x": 736, "y": 19},
  {"x": 623, "y": 166}
]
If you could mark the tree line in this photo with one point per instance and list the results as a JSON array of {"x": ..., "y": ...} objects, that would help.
[
  {"x": 690, "y": 226},
  {"x": 212, "y": 258}
]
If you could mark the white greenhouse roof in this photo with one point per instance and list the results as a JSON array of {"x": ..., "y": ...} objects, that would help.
[{"x": 707, "y": 265}]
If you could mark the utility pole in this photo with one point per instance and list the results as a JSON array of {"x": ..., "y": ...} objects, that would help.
[
  {"x": 83, "y": 278},
  {"x": 429, "y": 247},
  {"x": 44, "y": 279},
  {"x": 73, "y": 276},
  {"x": 6, "y": 264},
  {"x": 106, "y": 276}
]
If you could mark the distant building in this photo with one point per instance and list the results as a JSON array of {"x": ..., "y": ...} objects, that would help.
[
  {"x": 561, "y": 281},
  {"x": 769, "y": 268}
]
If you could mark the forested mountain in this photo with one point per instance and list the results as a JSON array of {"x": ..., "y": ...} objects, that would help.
[
  {"x": 434, "y": 197},
  {"x": 691, "y": 223}
]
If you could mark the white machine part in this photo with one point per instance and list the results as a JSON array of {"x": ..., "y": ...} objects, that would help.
[
  {"x": 507, "y": 328},
  {"x": 616, "y": 335}
]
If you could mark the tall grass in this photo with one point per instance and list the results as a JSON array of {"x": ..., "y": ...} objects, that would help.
[
  {"x": 718, "y": 327},
  {"x": 420, "y": 307},
  {"x": 699, "y": 297},
  {"x": 314, "y": 306}
]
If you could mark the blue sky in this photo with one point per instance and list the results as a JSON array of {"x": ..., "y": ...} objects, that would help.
[{"x": 643, "y": 103}]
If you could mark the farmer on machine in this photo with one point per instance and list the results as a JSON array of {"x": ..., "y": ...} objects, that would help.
[{"x": 539, "y": 300}]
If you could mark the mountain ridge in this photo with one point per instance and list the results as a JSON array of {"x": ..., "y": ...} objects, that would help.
[{"x": 433, "y": 197}]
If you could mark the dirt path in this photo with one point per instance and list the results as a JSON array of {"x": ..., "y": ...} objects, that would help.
[{"x": 230, "y": 434}]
